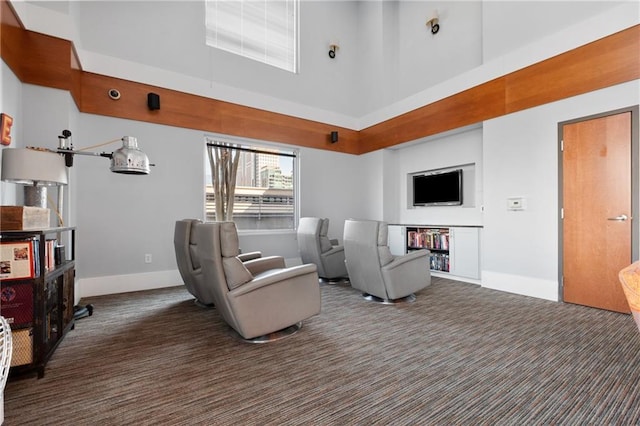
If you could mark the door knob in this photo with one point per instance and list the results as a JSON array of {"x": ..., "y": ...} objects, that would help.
[{"x": 621, "y": 218}]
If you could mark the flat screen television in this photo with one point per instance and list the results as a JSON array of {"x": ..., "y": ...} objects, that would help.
[{"x": 438, "y": 189}]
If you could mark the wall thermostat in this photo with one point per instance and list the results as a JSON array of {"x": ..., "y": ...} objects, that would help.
[
  {"x": 114, "y": 94},
  {"x": 515, "y": 203}
]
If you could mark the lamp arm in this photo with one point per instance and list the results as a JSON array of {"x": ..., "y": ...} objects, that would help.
[
  {"x": 128, "y": 159},
  {"x": 95, "y": 154},
  {"x": 69, "y": 153}
]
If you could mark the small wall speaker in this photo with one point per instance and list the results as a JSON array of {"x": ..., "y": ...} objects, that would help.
[
  {"x": 153, "y": 101},
  {"x": 334, "y": 137}
]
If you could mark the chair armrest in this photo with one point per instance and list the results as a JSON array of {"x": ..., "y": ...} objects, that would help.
[
  {"x": 407, "y": 274},
  {"x": 333, "y": 263},
  {"x": 256, "y": 266},
  {"x": 409, "y": 257},
  {"x": 249, "y": 256},
  {"x": 334, "y": 250},
  {"x": 274, "y": 277}
]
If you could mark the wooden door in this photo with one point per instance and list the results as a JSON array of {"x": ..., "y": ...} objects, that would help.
[{"x": 596, "y": 191}]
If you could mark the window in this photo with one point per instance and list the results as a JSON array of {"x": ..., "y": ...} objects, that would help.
[
  {"x": 263, "y": 30},
  {"x": 265, "y": 185}
]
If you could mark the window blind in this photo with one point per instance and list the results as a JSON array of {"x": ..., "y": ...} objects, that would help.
[{"x": 263, "y": 30}]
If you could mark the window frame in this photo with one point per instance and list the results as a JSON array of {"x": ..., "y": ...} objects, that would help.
[{"x": 255, "y": 145}]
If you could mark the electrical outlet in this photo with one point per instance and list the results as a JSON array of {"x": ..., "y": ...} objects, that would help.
[{"x": 147, "y": 258}]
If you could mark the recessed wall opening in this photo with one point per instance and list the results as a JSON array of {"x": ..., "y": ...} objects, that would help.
[{"x": 452, "y": 186}]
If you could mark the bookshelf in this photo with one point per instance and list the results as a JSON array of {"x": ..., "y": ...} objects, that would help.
[
  {"x": 455, "y": 250},
  {"x": 37, "y": 293},
  {"x": 436, "y": 240}
]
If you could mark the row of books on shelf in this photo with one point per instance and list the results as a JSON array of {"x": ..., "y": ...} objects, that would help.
[
  {"x": 439, "y": 262},
  {"x": 429, "y": 238},
  {"x": 19, "y": 259}
]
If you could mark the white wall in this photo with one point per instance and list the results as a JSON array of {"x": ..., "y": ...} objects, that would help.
[
  {"x": 11, "y": 104},
  {"x": 459, "y": 150},
  {"x": 514, "y": 155},
  {"x": 120, "y": 218},
  {"x": 19, "y": 102},
  {"x": 520, "y": 157},
  {"x": 426, "y": 59},
  {"x": 332, "y": 185},
  {"x": 388, "y": 63},
  {"x": 390, "y": 194},
  {"x": 163, "y": 43},
  {"x": 53, "y": 110},
  {"x": 510, "y": 25}
]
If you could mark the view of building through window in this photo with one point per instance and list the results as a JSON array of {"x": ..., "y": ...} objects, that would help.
[{"x": 265, "y": 192}]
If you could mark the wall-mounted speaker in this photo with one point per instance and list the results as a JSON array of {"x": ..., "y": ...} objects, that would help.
[
  {"x": 334, "y": 137},
  {"x": 153, "y": 101}
]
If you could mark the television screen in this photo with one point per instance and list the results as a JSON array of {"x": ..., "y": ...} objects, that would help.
[{"x": 438, "y": 189}]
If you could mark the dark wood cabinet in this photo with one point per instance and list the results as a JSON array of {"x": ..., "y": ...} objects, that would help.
[{"x": 38, "y": 299}]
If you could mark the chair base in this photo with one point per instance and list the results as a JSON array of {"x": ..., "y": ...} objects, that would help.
[
  {"x": 407, "y": 299},
  {"x": 271, "y": 337},
  {"x": 204, "y": 305},
  {"x": 335, "y": 281}
]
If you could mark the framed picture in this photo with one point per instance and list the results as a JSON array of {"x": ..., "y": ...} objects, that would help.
[{"x": 16, "y": 260}]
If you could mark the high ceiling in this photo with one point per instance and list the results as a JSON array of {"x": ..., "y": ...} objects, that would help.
[{"x": 387, "y": 54}]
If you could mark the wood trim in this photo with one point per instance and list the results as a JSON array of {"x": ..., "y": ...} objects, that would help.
[
  {"x": 52, "y": 51},
  {"x": 479, "y": 103},
  {"x": 606, "y": 62},
  {"x": 35, "y": 58},
  {"x": 52, "y": 62},
  {"x": 76, "y": 77},
  {"x": 11, "y": 31},
  {"x": 197, "y": 112}
]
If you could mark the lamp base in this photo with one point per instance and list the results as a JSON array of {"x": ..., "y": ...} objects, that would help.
[
  {"x": 82, "y": 311},
  {"x": 35, "y": 196}
]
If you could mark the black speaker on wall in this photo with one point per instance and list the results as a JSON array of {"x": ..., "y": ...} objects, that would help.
[
  {"x": 334, "y": 137},
  {"x": 153, "y": 101}
]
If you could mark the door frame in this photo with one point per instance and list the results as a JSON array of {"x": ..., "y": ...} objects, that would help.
[{"x": 635, "y": 186}]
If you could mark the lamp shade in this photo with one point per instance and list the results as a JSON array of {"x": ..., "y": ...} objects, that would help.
[
  {"x": 33, "y": 167},
  {"x": 129, "y": 159}
]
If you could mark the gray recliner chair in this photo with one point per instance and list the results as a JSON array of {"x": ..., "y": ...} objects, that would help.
[
  {"x": 316, "y": 247},
  {"x": 186, "y": 250},
  {"x": 381, "y": 276},
  {"x": 260, "y": 299}
]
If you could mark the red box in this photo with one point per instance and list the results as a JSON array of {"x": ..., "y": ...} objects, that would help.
[{"x": 16, "y": 303}]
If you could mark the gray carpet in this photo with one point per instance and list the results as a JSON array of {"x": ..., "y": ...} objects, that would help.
[{"x": 459, "y": 355}]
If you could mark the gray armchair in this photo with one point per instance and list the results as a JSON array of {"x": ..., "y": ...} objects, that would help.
[
  {"x": 372, "y": 268},
  {"x": 316, "y": 247},
  {"x": 186, "y": 250},
  {"x": 260, "y": 298}
]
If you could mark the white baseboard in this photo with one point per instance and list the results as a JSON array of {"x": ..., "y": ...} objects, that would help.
[
  {"x": 518, "y": 284},
  {"x": 455, "y": 277},
  {"x": 99, "y": 286}
]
